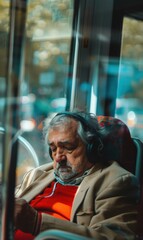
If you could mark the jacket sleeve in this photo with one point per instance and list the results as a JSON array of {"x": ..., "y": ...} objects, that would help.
[{"x": 113, "y": 216}]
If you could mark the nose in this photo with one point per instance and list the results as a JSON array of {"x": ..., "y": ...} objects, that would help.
[{"x": 59, "y": 155}]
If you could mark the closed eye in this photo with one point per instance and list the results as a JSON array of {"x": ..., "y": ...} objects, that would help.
[
  {"x": 67, "y": 148},
  {"x": 53, "y": 149}
]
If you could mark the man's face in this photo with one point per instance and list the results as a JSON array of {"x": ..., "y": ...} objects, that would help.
[{"x": 68, "y": 151}]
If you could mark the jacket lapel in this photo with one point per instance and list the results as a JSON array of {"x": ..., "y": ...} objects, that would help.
[
  {"x": 83, "y": 188},
  {"x": 80, "y": 194}
]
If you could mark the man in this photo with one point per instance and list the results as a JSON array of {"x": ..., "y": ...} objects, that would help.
[{"x": 79, "y": 192}]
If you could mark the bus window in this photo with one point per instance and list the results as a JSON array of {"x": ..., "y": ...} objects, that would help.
[
  {"x": 130, "y": 83},
  {"x": 44, "y": 65}
]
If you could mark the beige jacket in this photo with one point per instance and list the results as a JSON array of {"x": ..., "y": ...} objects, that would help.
[{"x": 105, "y": 205}]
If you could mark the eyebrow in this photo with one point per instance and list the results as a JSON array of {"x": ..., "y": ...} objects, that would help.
[{"x": 63, "y": 143}]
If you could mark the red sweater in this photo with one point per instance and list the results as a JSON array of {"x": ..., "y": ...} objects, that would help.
[{"x": 55, "y": 200}]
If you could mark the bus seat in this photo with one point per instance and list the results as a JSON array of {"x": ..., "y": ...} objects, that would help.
[
  {"x": 127, "y": 150},
  {"x": 139, "y": 158},
  {"x": 139, "y": 174},
  {"x": 118, "y": 143}
]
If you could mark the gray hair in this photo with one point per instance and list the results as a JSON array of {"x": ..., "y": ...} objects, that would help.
[{"x": 87, "y": 129}]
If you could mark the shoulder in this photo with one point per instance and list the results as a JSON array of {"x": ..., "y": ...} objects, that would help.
[
  {"x": 37, "y": 172},
  {"x": 113, "y": 170},
  {"x": 113, "y": 176},
  {"x": 45, "y": 167}
]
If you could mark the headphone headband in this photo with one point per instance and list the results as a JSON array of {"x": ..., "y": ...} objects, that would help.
[{"x": 77, "y": 117}]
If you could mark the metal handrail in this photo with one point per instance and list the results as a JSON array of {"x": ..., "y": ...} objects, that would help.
[{"x": 27, "y": 146}]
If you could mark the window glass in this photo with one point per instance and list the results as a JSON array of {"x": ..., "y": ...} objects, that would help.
[
  {"x": 44, "y": 68},
  {"x": 130, "y": 85},
  {"x": 47, "y": 49},
  {"x": 4, "y": 30}
]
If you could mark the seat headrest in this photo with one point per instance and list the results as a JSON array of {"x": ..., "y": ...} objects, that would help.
[{"x": 118, "y": 143}]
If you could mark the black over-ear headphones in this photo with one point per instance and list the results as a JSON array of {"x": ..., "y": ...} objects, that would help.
[{"x": 95, "y": 144}]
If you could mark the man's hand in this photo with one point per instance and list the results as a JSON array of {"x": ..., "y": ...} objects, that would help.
[{"x": 25, "y": 217}]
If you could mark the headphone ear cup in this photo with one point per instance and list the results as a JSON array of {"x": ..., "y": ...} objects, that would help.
[
  {"x": 94, "y": 150},
  {"x": 90, "y": 150},
  {"x": 50, "y": 153}
]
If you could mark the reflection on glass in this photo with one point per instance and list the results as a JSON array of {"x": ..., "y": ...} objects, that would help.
[
  {"x": 130, "y": 85},
  {"x": 45, "y": 64}
]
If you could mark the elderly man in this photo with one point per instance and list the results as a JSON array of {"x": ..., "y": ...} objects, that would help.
[{"x": 79, "y": 192}]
